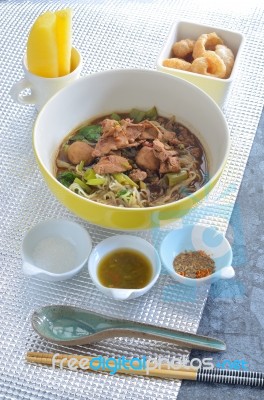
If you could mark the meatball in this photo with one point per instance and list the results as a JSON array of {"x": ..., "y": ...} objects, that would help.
[
  {"x": 146, "y": 159},
  {"x": 80, "y": 151}
]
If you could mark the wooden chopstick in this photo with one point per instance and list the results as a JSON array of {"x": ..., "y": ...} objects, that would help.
[
  {"x": 214, "y": 375},
  {"x": 62, "y": 360}
]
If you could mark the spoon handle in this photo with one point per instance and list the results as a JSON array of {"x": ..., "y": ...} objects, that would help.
[{"x": 143, "y": 331}]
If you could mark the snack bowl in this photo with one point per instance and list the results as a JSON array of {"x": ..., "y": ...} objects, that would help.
[
  {"x": 117, "y": 242},
  {"x": 190, "y": 238},
  {"x": 105, "y": 92},
  {"x": 217, "y": 88},
  {"x": 55, "y": 250}
]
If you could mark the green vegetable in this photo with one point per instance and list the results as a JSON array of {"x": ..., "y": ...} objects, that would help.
[
  {"x": 91, "y": 179},
  {"x": 66, "y": 178},
  {"x": 115, "y": 116},
  {"x": 124, "y": 179},
  {"x": 65, "y": 147},
  {"x": 91, "y": 133},
  {"x": 175, "y": 178},
  {"x": 142, "y": 185},
  {"x": 138, "y": 115},
  {"x": 89, "y": 174},
  {"x": 80, "y": 166},
  {"x": 95, "y": 181},
  {"x": 122, "y": 193},
  {"x": 151, "y": 114},
  {"x": 82, "y": 185},
  {"x": 125, "y": 164}
]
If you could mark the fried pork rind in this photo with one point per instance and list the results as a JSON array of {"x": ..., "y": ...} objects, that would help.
[
  {"x": 205, "y": 42},
  {"x": 183, "y": 48},
  {"x": 206, "y": 56},
  {"x": 177, "y": 63},
  {"x": 227, "y": 56},
  {"x": 211, "y": 64}
]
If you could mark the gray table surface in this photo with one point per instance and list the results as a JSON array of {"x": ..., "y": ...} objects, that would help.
[{"x": 234, "y": 311}]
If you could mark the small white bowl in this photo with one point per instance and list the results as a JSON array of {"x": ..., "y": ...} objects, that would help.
[
  {"x": 194, "y": 238},
  {"x": 126, "y": 242},
  {"x": 216, "y": 88},
  {"x": 55, "y": 250}
]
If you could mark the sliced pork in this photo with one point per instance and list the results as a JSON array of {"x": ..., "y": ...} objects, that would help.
[{"x": 111, "y": 164}]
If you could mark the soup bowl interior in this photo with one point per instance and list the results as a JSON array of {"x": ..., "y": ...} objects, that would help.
[{"x": 120, "y": 91}]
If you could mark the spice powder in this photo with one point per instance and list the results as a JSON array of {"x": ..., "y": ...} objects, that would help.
[{"x": 194, "y": 264}]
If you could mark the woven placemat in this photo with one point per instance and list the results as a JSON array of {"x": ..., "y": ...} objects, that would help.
[{"x": 109, "y": 34}]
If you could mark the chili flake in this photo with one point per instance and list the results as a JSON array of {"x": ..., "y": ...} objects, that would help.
[{"x": 194, "y": 264}]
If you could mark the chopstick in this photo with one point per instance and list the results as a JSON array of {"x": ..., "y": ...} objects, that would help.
[
  {"x": 62, "y": 361},
  {"x": 214, "y": 375}
]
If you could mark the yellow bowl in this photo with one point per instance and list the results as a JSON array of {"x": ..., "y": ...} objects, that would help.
[{"x": 121, "y": 90}]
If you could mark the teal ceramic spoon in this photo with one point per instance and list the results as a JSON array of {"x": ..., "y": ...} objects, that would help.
[{"x": 70, "y": 326}]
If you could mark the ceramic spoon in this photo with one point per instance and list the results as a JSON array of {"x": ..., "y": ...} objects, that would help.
[{"x": 69, "y": 326}]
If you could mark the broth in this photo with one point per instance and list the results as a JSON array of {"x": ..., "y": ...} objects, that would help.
[
  {"x": 125, "y": 269},
  {"x": 137, "y": 159}
]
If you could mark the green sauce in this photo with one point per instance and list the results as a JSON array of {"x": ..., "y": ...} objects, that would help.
[{"x": 125, "y": 269}]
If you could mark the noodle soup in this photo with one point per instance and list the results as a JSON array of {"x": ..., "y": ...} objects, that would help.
[{"x": 136, "y": 159}]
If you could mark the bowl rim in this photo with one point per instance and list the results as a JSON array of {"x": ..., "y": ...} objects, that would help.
[{"x": 128, "y": 71}]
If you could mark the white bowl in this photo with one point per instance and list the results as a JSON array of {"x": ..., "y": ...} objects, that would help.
[
  {"x": 55, "y": 250},
  {"x": 194, "y": 238},
  {"x": 120, "y": 91},
  {"x": 216, "y": 88},
  {"x": 127, "y": 242}
]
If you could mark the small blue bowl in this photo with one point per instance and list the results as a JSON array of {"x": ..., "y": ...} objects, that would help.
[{"x": 193, "y": 238}]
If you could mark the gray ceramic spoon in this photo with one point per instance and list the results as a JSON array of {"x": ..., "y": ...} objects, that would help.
[{"x": 69, "y": 326}]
